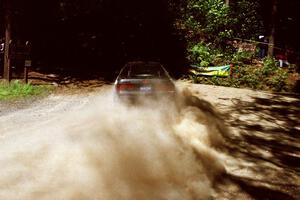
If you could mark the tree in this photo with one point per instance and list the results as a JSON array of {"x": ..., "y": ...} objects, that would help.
[
  {"x": 7, "y": 22},
  {"x": 273, "y": 28},
  {"x": 210, "y": 25}
]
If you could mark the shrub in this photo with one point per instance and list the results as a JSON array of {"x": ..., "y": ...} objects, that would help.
[
  {"x": 242, "y": 57},
  {"x": 201, "y": 55},
  {"x": 268, "y": 76},
  {"x": 204, "y": 56},
  {"x": 279, "y": 80},
  {"x": 17, "y": 89},
  {"x": 270, "y": 66}
]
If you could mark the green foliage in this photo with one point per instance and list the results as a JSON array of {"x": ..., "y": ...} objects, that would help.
[
  {"x": 208, "y": 19},
  {"x": 250, "y": 78},
  {"x": 203, "y": 55},
  {"x": 270, "y": 66},
  {"x": 241, "y": 57},
  {"x": 247, "y": 23},
  {"x": 208, "y": 25},
  {"x": 266, "y": 77},
  {"x": 200, "y": 54},
  {"x": 278, "y": 80},
  {"x": 213, "y": 21},
  {"x": 17, "y": 89},
  {"x": 276, "y": 77}
]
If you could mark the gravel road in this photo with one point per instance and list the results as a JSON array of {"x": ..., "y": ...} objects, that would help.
[
  {"x": 259, "y": 148},
  {"x": 263, "y": 154}
]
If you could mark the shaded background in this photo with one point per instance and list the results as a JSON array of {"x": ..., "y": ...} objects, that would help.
[
  {"x": 99, "y": 36},
  {"x": 95, "y": 36}
]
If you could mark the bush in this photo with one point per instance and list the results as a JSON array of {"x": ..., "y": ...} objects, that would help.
[
  {"x": 242, "y": 57},
  {"x": 278, "y": 80},
  {"x": 208, "y": 19},
  {"x": 17, "y": 89},
  {"x": 266, "y": 77},
  {"x": 209, "y": 25},
  {"x": 203, "y": 55},
  {"x": 247, "y": 23},
  {"x": 200, "y": 54},
  {"x": 270, "y": 66}
]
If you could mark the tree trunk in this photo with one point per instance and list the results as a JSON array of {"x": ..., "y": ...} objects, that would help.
[
  {"x": 7, "y": 22},
  {"x": 273, "y": 29},
  {"x": 227, "y": 2}
]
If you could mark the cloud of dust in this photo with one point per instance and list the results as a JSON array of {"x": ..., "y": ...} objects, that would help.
[{"x": 111, "y": 151}]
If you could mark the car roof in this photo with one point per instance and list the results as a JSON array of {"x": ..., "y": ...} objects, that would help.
[
  {"x": 133, "y": 67},
  {"x": 139, "y": 63}
]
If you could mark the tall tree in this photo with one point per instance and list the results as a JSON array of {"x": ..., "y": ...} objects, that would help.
[
  {"x": 273, "y": 28},
  {"x": 7, "y": 22}
]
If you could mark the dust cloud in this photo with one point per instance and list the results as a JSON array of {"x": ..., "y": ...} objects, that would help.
[{"x": 107, "y": 150}]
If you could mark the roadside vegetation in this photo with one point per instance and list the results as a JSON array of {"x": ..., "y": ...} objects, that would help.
[
  {"x": 18, "y": 90},
  {"x": 216, "y": 34},
  {"x": 264, "y": 75}
]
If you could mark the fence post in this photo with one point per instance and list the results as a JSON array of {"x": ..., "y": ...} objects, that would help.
[
  {"x": 27, "y": 65},
  {"x": 231, "y": 70}
]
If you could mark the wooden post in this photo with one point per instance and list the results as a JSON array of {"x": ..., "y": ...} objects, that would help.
[
  {"x": 25, "y": 74},
  {"x": 27, "y": 62},
  {"x": 27, "y": 65},
  {"x": 7, "y": 22},
  {"x": 231, "y": 70}
]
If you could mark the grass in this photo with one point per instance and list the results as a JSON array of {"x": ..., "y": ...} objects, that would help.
[{"x": 18, "y": 90}]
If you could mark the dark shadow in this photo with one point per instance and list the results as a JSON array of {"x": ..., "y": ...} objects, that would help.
[
  {"x": 269, "y": 136},
  {"x": 280, "y": 137},
  {"x": 101, "y": 36},
  {"x": 257, "y": 191},
  {"x": 297, "y": 85}
]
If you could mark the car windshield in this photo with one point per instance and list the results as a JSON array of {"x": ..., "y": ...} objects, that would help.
[{"x": 144, "y": 70}]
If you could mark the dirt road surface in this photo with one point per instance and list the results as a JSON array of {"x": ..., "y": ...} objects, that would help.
[
  {"x": 225, "y": 143},
  {"x": 263, "y": 144}
]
